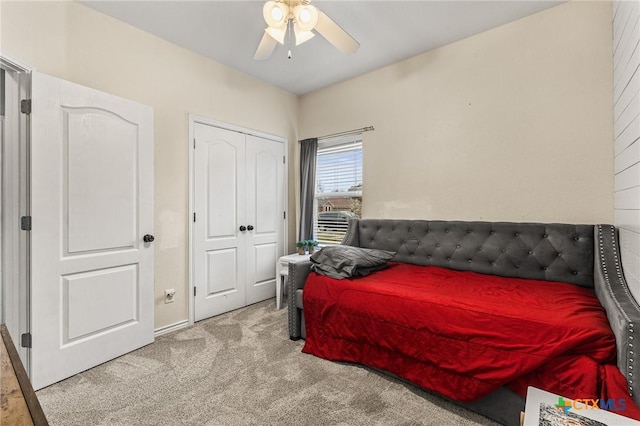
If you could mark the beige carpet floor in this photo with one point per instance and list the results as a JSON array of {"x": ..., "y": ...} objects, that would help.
[{"x": 240, "y": 368}]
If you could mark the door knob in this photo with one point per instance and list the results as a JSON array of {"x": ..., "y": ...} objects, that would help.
[
  {"x": 250, "y": 227},
  {"x": 148, "y": 238},
  {"x": 243, "y": 228}
]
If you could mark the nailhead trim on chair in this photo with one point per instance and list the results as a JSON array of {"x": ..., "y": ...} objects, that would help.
[
  {"x": 620, "y": 283},
  {"x": 293, "y": 315}
]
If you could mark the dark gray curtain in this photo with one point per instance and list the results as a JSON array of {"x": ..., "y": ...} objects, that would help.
[{"x": 308, "y": 154}]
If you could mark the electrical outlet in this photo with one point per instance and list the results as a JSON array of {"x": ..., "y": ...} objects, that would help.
[{"x": 169, "y": 295}]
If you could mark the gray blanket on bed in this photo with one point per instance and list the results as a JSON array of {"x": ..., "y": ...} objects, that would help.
[{"x": 345, "y": 261}]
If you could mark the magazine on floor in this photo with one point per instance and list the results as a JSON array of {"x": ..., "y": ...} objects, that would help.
[{"x": 547, "y": 409}]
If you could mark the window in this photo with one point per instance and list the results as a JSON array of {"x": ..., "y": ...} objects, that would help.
[{"x": 338, "y": 187}]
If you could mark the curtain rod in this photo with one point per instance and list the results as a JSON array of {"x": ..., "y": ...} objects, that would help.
[{"x": 348, "y": 132}]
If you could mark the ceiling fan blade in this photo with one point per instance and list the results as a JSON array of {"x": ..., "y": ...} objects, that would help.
[
  {"x": 265, "y": 48},
  {"x": 335, "y": 34}
]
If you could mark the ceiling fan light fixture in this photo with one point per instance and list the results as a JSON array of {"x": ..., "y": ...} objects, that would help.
[
  {"x": 276, "y": 14},
  {"x": 289, "y": 19},
  {"x": 301, "y": 36},
  {"x": 306, "y": 16}
]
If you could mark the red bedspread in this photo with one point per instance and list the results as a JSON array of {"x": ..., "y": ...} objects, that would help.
[{"x": 464, "y": 334}]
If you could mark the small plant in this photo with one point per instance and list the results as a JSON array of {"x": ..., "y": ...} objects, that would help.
[
  {"x": 302, "y": 245},
  {"x": 312, "y": 244}
]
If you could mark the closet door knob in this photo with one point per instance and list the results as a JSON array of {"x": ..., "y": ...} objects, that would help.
[
  {"x": 250, "y": 227},
  {"x": 148, "y": 238},
  {"x": 243, "y": 228}
]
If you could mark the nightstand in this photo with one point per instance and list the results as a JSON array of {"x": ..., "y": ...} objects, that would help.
[{"x": 282, "y": 272}]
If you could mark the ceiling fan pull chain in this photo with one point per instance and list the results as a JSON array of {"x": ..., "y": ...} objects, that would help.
[{"x": 290, "y": 38}]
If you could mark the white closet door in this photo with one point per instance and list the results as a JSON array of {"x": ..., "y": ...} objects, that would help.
[
  {"x": 219, "y": 273},
  {"x": 92, "y": 202},
  {"x": 238, "y": 234},
  {"x": 265, "y": 210}
]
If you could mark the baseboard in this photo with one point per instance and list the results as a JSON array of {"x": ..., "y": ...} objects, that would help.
[{"x": 171, "y": 327}]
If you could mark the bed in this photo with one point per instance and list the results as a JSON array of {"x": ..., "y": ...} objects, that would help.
[{"x": 478, "y": 311}]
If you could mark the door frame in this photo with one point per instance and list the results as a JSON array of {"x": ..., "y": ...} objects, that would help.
[
  {"x": 15, "y": 183},
  {"x": 198, "y": 119}
]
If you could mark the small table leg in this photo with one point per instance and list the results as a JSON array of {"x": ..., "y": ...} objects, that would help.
[{"x": 279, "y": 292}]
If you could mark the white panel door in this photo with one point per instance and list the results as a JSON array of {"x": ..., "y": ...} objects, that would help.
[
  {"x": 92, "y": 286},
  {"x": 219, "y": 180},
  {"x": 238, "y": 234},
  {"x": 265, "y": 207}
]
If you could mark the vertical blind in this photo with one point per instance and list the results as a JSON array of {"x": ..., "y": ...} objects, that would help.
[{"x": 338, "y": 187}]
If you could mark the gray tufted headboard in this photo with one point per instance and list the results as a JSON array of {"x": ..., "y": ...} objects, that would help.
[{"x": 550, "y": 252}]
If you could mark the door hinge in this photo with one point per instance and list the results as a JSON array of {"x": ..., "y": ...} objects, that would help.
[
  {"x": 25, "y": 340},
  {"x": 284, "y": 215},
  {"x": 194, "y": 217},
  {"x": 194, "y": 143},
  {"x": 25, "y": 106},
  {"x": 284, "y": 160},
  {"x": 25, "y": 223},
  {"x": 194, "y": 291}
]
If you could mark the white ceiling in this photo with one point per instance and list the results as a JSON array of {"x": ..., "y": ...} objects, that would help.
[{"x": 388, "y": 31}]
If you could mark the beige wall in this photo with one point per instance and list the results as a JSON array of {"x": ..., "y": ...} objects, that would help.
[
  {"x": 512, "y": 124},
  {"x": 70, "y": 41}
]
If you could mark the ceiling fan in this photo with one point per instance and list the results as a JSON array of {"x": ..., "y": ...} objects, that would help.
[{"x": 301, "y": 18}]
